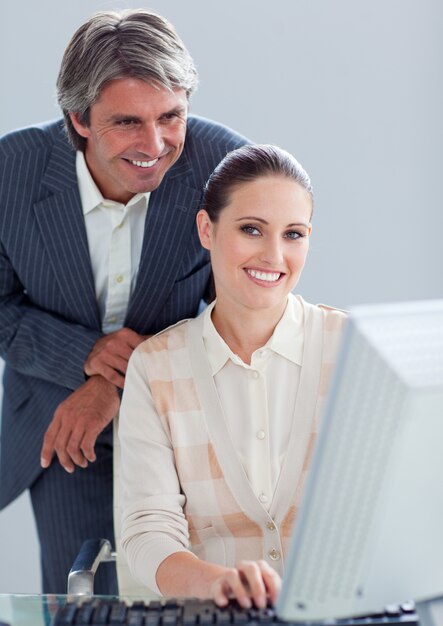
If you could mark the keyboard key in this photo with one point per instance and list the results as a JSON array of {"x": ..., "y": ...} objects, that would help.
[
  {"x": 66, "y": 615},
  {"x": 222, "y": 617},
  {"x": 101, "y": 614},
  {"x": 84, "y": 614},
  {"x": 135, "y": 618},
  {"x": 153, "y": 618},
  {"x": 240, "y": 617},
  {"x": 118, "y": 613}
]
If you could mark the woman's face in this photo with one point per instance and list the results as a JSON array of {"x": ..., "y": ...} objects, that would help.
[{"x": 260, "y": 242}]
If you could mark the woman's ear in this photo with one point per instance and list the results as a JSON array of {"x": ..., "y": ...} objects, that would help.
[{"x": 205, "y": 228}]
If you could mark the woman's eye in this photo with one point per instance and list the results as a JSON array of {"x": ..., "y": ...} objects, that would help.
[
  {"x": 293, "y": 234},
  {"x": 250, "y": 230}
]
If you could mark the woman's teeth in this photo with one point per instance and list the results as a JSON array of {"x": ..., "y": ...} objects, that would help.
[{"x": 270, "y": 277}]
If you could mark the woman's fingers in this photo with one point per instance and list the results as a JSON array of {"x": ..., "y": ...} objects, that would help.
[
  {"x": 271, "y": 580},
  {"x": 251, "y": 582}
]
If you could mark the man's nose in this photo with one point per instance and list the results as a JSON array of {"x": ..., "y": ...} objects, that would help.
[{"x": 150, "y": 141}]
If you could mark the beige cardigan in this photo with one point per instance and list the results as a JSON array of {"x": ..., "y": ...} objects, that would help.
[{"x": 178, "y": 459}]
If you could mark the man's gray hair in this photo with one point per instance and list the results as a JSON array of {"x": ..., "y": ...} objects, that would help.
[{"x": 127, "y": 44}]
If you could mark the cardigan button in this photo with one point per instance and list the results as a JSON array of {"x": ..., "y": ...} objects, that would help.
[
  {"x": 274, "y": 554},
  {"x": 271, "y": 526}
]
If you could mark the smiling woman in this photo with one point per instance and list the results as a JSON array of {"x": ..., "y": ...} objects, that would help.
[
  {"x": 219, "y": 413},
  {"x": 258, "y": 246}
]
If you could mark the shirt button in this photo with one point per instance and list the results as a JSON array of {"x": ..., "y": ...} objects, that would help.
[
  {"x": 270, "y": 526},
  {"x": 120, "y": 278},
  {"x": 112, "y": 320},
  {"x": 274, "y": 554},
  {"x": 255, "y": 375},
  {"x": 263, "y": 497},
  {"x": 260, "y": 434}
]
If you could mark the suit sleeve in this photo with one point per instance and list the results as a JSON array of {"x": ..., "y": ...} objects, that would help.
[{"x": 36, "y": 342}]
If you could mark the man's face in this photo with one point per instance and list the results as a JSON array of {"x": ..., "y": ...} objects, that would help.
[{"x": 136, "y": 132}]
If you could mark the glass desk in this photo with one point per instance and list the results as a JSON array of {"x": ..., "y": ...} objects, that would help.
[
  {"x": 39, "y": 610},
  {"x": 18, "y": 609},
  {"x": 35, "y": 610},
  {"x": 29, "y": 610}
]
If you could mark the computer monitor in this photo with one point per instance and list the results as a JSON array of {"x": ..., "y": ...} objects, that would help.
[{"x": 369, "y": 531}]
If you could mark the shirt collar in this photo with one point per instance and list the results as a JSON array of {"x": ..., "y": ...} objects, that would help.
[
  {"x": 287, "y": 339},
  {"x": 90, "y": 195}
]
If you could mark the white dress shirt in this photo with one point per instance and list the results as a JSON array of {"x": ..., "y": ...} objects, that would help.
[
  {"x": 115, "y": 237},
  {"x": 258, "y": 400}
]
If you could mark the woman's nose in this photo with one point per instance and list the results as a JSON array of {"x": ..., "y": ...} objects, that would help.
[{"x": 272, "y": 252}]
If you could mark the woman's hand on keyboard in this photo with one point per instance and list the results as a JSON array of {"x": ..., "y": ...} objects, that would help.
[{"x": 251, "y": 582}]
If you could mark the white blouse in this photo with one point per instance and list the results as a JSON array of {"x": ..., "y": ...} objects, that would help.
[{"x": 258, "y": 400}]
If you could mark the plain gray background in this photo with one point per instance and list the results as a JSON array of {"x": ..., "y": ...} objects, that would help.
[{"x": 352, "y": 89}]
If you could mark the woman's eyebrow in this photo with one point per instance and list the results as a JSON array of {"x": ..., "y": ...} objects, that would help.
[
  {"x": 252, "y": 217},
  {"x": 262, "y": 221}
]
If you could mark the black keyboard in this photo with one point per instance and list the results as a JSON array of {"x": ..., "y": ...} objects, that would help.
[{"x": 190, "y": 612}]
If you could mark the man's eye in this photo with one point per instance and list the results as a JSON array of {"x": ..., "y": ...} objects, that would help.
[
  {"x": 170, "y": 117},
  {"x": 250, "y": 230},
  {"x": 126, "y": 122}
]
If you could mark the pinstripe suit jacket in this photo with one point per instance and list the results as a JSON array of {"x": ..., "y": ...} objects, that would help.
[{"x": 49, "y": 318}]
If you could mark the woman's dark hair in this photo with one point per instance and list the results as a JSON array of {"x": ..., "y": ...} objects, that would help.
[{"x": 244, "y": 165}]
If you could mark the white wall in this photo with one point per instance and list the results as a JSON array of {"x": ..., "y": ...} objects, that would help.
[{"x": 353, "y": 89}]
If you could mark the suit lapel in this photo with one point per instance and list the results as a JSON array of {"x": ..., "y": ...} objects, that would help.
[
  {"x": 168, "y": 227},
  {"x": 62, "y": 227}
]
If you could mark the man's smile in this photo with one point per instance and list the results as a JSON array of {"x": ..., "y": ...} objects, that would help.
[{"x": 143, "y": 164}]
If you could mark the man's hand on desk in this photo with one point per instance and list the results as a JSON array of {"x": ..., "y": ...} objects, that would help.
[
  {"x": 110, "y": 354},
  {"x": 77, "y": 423}
]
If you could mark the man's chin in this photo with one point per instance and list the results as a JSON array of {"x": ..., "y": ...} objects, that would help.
[
  {"x": 146, "y": 182},
  {"x": 143, "y": 186}
]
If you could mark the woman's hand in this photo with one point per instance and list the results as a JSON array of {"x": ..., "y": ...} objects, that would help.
[
  {"x": 251, "y": 582},
  {"x": 182, "y": 574}
]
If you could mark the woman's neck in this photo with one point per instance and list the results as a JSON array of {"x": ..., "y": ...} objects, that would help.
[{"x": 247, "y": 330}]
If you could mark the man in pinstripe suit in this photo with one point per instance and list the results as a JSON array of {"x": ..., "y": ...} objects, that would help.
[{"x": 98, "y": 249}]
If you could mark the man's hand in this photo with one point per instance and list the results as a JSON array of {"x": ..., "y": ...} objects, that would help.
[
  {"x": 110, "y": 354},
  {"x": 78, "y": 421}
]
